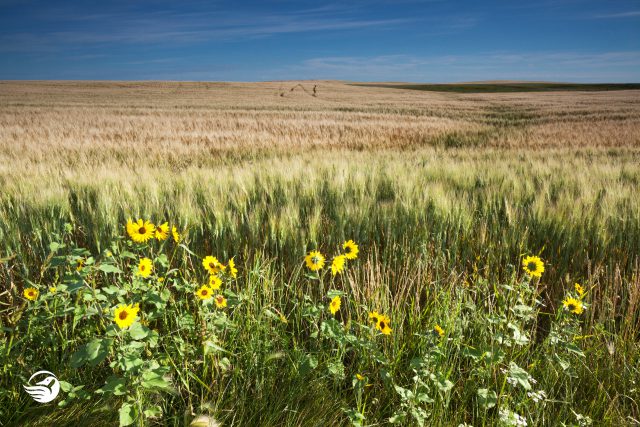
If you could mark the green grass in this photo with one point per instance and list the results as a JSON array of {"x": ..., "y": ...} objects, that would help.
[
  {"x": 508, "y": 87},
  {"x": 441, "y": 232}
]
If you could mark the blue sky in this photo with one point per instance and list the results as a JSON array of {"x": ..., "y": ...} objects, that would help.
[{"x": 361, "y": 40}]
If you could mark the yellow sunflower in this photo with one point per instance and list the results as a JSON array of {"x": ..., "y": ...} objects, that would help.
[
  {"x": 31, "y": 294},
  {"x": 221, "y": 302},
  {"x": 140, "y": 231},
  {"x": 438, "y": 330},
  {"x": 360, "y": 377},
  {"x": 337, "y": 266},
  {"x": 573, "y": 305},
  {"x": 533, "y": 266},
  {"x": 374, "y": 316},
  {"x": 175, "y": 234},
  {"x": 205, "y": 292},
  {"x": 214, "y": 282},
  {"x": 383, "y": 325},
  {"x": 350, "y": 249},
  {"x": 145, "y": 267},
  {"x": 233, "y": 271},
  {"x": 579, "y": 289},
  {"x": 334, "y": 306},
  {"x": 53, "y": 289},
  {"x": 162, "y": 231},
  {"x": 212, "y": 264},
  {"x": 125, "y": 315},
  {"x": 315, "y": 260},
  {"x": 79, "y": 264}
]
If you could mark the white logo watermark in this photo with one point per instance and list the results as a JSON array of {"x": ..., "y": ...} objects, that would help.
[{"x": 45, "y": 390}]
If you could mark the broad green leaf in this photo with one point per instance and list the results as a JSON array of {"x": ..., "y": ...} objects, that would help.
[
  {"x": 127, "y": 414},
  {"x": 137, "y": 331},
  {"x": 114, "y": 385},
  {"x": 487, "y": 398},
  {"x": 109, "y": 268}
]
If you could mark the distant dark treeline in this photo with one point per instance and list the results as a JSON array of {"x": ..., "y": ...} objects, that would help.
[{"x": 509, "y": 87}]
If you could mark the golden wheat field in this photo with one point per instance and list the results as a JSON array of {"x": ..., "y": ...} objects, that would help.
[{"x": 446, "y": 195}]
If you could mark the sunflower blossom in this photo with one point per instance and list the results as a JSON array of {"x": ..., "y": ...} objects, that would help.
[
  {"x": 205, "y": 292},
  {"x": 212, "y": 265},
  {"x": 438, "y": 330},
  {"x": 31, "y": 294},
  {"x": 573, "y": 305},
  {"x": 374, "y": 316},
  {"x": 175, "y": 234},
  {"x": 383, "y": 325},
  {"x": 533, "y": 266},
  {"x": 350, "y": 249},
  {"x": 315, "y": 260},
  {"x": 162, "y": 231},
  {"x": 334, "y": 306},
  {"x": 145, "y": 267},
  {"x": 221, "y": 302},
  {"x": 215, "y": 282},
  {"x": 140, "y": 231},
  {"x": 337, "y": 266},
  {"x": 125, "y": 315},
  {"x": 233, "y": 271}
]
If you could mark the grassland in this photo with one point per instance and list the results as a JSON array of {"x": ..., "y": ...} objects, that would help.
[{"x": 444, "y": 193}]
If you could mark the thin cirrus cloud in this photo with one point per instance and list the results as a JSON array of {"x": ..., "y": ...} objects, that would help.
[
  {"x": 629, "y": 14},
  {"x": 569, "y": 66},
  {"x": 185, "y": 28}
]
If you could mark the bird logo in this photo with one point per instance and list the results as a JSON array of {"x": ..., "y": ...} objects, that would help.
[{"x": 44, "y": 391}]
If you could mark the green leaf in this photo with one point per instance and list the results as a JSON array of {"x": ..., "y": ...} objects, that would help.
[
  {"x": 487, "y": 398},
  {"x": 131, "y": 362},
  {"x": 127, "y": 414},
  {"x": 153, "y": 412},
  {"x": 155, "y": 380},
  {"x": 443, "y": 384},
  {"x": 398, "y": 417},
  {"x": 138, "y": 331},
  {"x": 471, "y": 352},
  {"x": 520, "y": 375},
  {"x": 308, "y": 364},
  {"x": 55, "y": 246},
  {"x": 127, "y": 254},
  {"x": 114, "y": 385},
  {"x": 65, "y": 386},
  {"x": 336, "y": 368},
  {"x": 92, "y": 353},
  {"x": 405, "y": 394},
  {"x": 109, "y": 268}
]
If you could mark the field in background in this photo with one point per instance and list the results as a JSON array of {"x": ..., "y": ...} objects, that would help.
[{"x": 441, "y": 190}]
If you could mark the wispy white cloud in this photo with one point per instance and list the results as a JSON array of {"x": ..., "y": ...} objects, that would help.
[
  {"x": 191, "y": 27},
  {"x": 629, "y": 14},
  {"x": 559, "y": 66}
]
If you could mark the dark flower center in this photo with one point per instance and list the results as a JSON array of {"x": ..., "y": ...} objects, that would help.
[
  {"x": 532, "y": 266},
  {"x": 212, "y": 265},
  {"x": 204, "y": 292},
  {"x": 382, "y": 325},
  {"x": 142, "y": 267},
  {"x": 123, "y": 315},
  {"x": 142, "y": 230},
  {"x": 572, "y": 307},
  {"x": 375, "y": 319}
]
